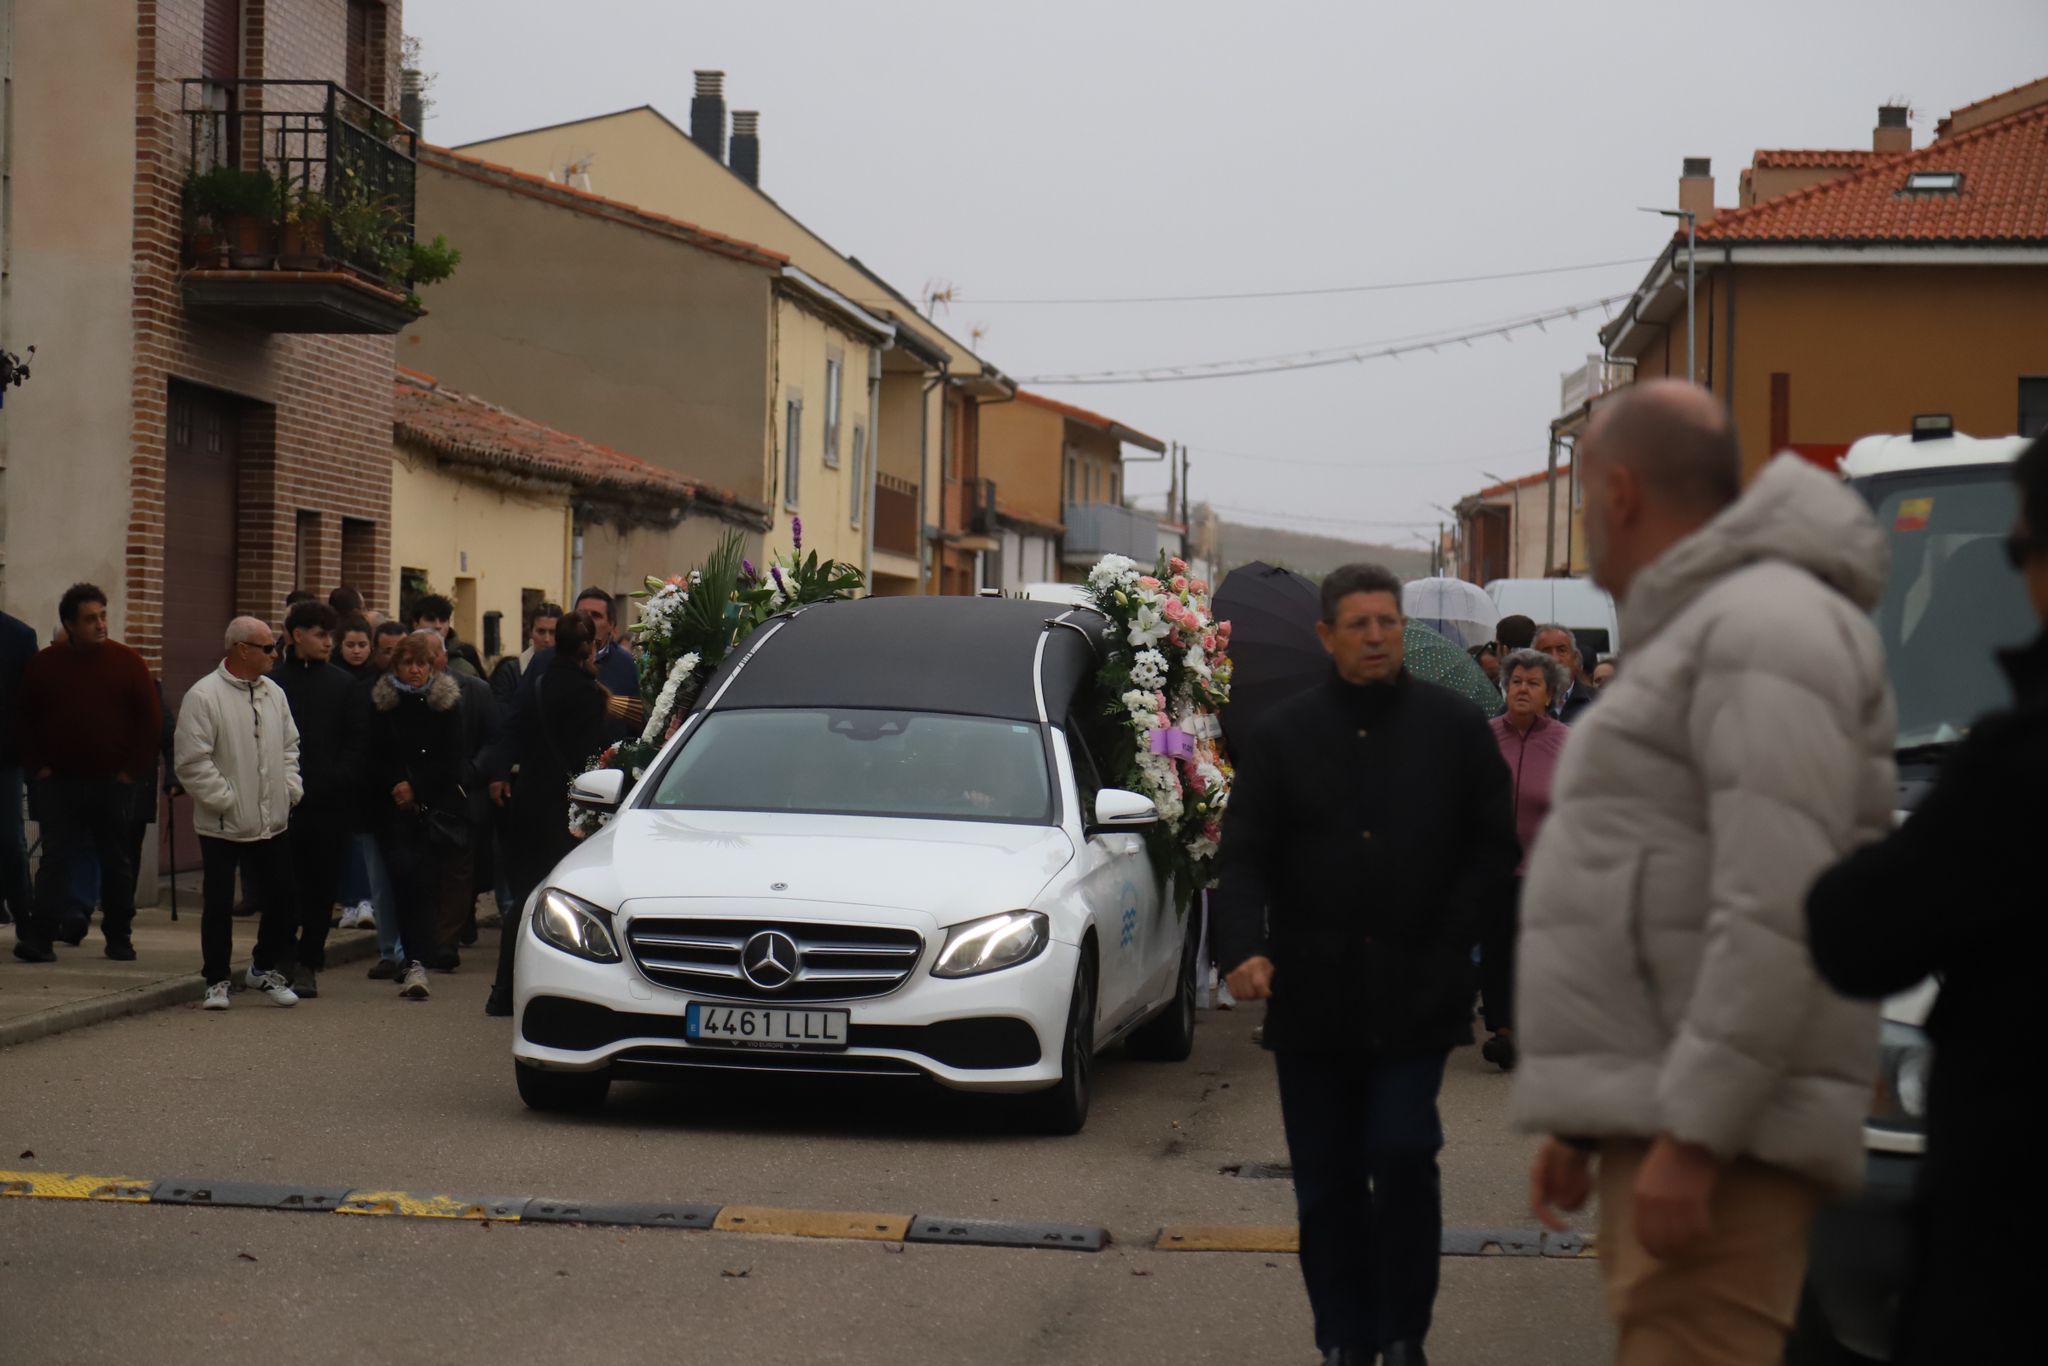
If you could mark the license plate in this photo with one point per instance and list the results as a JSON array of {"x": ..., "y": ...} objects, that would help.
[{"x": 756, "y": 1027}]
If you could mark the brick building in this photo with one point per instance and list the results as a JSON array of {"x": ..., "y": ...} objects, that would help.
[{"x": 208, "y": 235}]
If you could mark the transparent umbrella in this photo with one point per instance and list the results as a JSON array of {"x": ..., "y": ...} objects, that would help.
[{"x": 1457, "y": 610}]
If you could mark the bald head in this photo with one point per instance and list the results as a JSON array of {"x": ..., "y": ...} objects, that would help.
[{"x": 1677, "y": 439}]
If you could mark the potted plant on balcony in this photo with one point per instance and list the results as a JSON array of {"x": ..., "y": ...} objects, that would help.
[
  {"x": 428, "y": 263},
  {"x": 229, "y": 206},
  {"x": 368, "y": 235},
  {"x": 305, "y": 231}
]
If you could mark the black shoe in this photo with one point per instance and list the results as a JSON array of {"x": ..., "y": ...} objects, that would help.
[
  {"x": 304, "y": 984},
  {"x": 1347, "y": 1356},
  {"x": 1500, "y": 1051},
  {"x": 33, "y": 953},
  {"x": 447, "y": 962},
  {"x": 1403, "y": 1354},
  {"x": 384, "y": 970},
  {"x": 120, "y": 950},
  {"x": 499, "y": 1006},
  {"x": 468, "y": 935}
]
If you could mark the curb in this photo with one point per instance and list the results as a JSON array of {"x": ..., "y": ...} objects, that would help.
[
  {"x": 169, "y": 991},
  {"x": 760, "y": 1221}
]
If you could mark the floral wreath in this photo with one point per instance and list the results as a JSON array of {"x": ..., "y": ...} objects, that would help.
[{"x": 1167, "y": 672}]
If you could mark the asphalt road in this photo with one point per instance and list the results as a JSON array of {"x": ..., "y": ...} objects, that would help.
[{"x": 360, "y": 1089}]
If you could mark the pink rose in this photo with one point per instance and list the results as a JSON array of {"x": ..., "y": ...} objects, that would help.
[
  {"x": 1180, "y": 583},
  {"x": 1178, "y": 565},
  {"x": 1149, "y": 583},
  {"x": 1199, "y": 586},
  {"x": 1209, "y": 641}
]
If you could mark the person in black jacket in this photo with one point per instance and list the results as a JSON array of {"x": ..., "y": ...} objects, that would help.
[
  {"x": 554, "y": 741},
  {"x": 319, "y": 692},
  {"x": 1369, "y": 830},
  {"x": 480, "y": 730},
  {"x": 414, "y": 792},
  {"x": 1954, "y": 894},
  {"x": 17, "y": 895},
  {"x": 1561, "y": 645}
]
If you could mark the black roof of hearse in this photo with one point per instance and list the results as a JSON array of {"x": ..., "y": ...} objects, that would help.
[{"x": 1009, "y": 658}]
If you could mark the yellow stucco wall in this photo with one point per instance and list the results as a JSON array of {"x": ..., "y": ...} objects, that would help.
[
  {"x": 65, "y": 437},
  {"x": 1023, "y": 450},
  {"x": 621, "y": 559},
  {"x": 512, "y": 540},
  {"x": 825, "y": 493}
]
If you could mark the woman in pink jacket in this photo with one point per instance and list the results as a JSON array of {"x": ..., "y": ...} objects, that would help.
[{"x": 1530, "y": 740}]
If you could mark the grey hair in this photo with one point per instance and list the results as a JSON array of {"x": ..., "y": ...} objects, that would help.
[
  {"x": 243, "y": 630},
  {"x": 1554, "y": 676},
  {"x": 1570, "y": 634},
  {"x": 435, "y": 637}
]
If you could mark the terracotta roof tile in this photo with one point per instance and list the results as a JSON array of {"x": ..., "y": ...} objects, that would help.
[
  {"x": 1089, "y": 419},
  {"x": 2034, "y": 92},
  {"x": 464, "y": 429},
  {"x": 583, "y": 201},
  {"x": 2004, "y": 196},
  {"x": 1810, "y": 159}
]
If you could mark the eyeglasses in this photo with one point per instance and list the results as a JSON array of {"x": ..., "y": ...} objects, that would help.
[
  {"x": 2021, "y": 547},
  {"x": 269, "y": 649}
]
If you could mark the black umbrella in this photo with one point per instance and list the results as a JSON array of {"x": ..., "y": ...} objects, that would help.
[{"x": 1274, "y": 653}]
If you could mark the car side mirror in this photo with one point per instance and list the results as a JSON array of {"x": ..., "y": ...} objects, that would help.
[
  {"x": 601, "y": 789},
  {"x": 1118, "y": 812}
]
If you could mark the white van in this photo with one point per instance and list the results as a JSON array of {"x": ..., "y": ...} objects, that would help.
[{"x": 1581, "y": 604}]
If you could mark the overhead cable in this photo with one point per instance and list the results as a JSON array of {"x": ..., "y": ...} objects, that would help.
[{"x": 1312, "y": 291}]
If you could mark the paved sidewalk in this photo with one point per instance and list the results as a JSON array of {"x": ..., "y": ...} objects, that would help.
[{"x": 84, "y": 986}]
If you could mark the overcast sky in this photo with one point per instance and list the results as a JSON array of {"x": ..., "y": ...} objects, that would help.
[{"x": 1058, "y": 150}]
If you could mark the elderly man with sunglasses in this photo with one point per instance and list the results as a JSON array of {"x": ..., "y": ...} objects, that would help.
[{"x": 237, "y": 754}]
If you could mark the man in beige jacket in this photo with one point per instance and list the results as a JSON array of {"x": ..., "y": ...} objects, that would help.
[{"x": 1673, "y": 1028}]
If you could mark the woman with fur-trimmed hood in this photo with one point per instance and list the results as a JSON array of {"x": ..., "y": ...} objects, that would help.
[{"x": 414, "y": 790}]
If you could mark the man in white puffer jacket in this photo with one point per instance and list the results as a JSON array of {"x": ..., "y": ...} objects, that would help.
[
  {"x": 237, "y": 754},
  {"x": 1672, "y": 1022}
]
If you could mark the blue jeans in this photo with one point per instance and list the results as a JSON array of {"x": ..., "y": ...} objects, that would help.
[
  {"x": 383, "y": 899},
  {"x": 1364, "y": 1134}
]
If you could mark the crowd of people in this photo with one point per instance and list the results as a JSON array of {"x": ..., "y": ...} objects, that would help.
[
  {"x": 1688, "y": 897},
  {"x": 344, "y": 770}
]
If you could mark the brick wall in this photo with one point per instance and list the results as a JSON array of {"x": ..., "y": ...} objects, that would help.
[{"x": 318, "y": 409}]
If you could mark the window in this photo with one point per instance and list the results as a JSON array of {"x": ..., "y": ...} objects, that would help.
[
  {"x": 2033, "y": 405},
  {"x": 834, "y": 368},
  {"x": 1073, "y": 476},
  {"x": 792, "y": 449},
  {"x": 1116, "y": 488},
  {"x": 1935, "y": 182},
  {"x": 306, "y": 551},
  {"x": 412, "y": 586},
  {"x": 1087, "y": 780},
  {"x": 862, "y": 763},
  {"x": 860, "y": 473}
]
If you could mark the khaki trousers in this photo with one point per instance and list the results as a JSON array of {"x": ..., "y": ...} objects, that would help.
[{"x": 1730, "y": 1299}]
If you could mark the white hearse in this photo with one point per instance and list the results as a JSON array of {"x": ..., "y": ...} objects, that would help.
[{"x": 880, "y": 846}]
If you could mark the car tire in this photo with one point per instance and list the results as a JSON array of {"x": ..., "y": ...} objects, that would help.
[
  {"x": 1169, "y": 1036},
  {"x": 561, "y": 1092},
  {"x": 1812, "y": 1341},
  {"x": 1062, "y": 1108}
]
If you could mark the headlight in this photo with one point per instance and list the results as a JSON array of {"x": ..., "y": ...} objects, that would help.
[
  {"x": 1000, "y": 941},
  {"x": 575, "y": 926},
  {"x": 1905, "y": 1058}
]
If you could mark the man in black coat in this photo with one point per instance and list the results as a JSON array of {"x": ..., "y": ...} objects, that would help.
[
  {"x": 17, "y": 648},
  {"x": 1954, "y": 893},
  {"x": 319, "y": 692},
  {"x": 1561, "y": 645},
  {"x": 1370, "y": 827}
]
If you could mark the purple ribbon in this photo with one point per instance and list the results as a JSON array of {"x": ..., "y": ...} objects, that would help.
[{"x": 1173, "y": 742}]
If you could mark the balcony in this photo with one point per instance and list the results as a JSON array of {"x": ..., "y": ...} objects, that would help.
[
  {"x": 1596, "y": 377},
  {"x": 895, "y": 515},
  {"x": 298, "y": 210},
  {"x": 1098, "y": 529}
]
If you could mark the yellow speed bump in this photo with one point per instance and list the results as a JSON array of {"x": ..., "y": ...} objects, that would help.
[
  {"x": 407, "y": 1205},
  {"x": 813, "y": 1223},
  {"x": 67, "y": 1186},
  {"x": 1228, "y": 1238}
]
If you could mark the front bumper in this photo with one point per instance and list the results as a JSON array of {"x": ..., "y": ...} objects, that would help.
[
  {"x": 1859, "y": 1260},
  {"x": 999, "y": 1032}
]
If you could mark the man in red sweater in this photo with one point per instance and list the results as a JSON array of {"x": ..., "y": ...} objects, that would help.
[{"x": 88, "y": 721}]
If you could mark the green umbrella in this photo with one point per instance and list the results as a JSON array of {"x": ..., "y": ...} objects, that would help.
[{"x": 1436, "y": 659}]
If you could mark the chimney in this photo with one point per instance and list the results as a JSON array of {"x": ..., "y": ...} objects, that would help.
[
  {"x": 707, "y": 114},
  {"x": 1892, "y": 134},
  {"x": 1696, "y": 189},
  {"x": 746, "y": 146},
  {"x": 412, "y": 101}
]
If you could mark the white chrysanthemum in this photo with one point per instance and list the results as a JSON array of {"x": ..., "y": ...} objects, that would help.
[
  {"x": 1149, "y": 671},
  {"x": 1113, "y": 571}
]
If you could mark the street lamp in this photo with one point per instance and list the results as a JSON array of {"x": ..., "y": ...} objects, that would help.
[{"x": 1691, "y": 250}]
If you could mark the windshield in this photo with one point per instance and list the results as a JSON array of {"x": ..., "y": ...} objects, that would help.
[
  {"x": 1952, "y": 600},
  {"x": 862, "y": 763}
]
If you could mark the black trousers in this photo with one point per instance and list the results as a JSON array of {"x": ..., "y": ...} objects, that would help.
[
  {"x": 266, "y": 869},
  {"x": 319, "y": 843},
  {"x": 427, "y": 879},
  {"x": 84, "y": 818},
  {"x": 1364, "y": 1135},
  {"x": 1497, "y": 961}
]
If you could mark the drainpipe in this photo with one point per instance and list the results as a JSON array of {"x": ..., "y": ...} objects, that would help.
[
  {"x": 924, "y": 469},
  {"x": 575, "y": 556},
  {"x": 1550, "y": 508},
  {"x": 874, "y": 459}
]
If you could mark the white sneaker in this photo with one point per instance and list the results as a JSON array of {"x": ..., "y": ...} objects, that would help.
[
  {"x": 275, "y": 985},
  {"x": 348, "y": 919},
  {"x": 413, "y": 985},
  {"x": 216, "y": 997},
  {"x": 361, "y": 916}
]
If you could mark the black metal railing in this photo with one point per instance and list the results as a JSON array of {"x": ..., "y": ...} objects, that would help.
[{"x": 298, "y": 175}]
